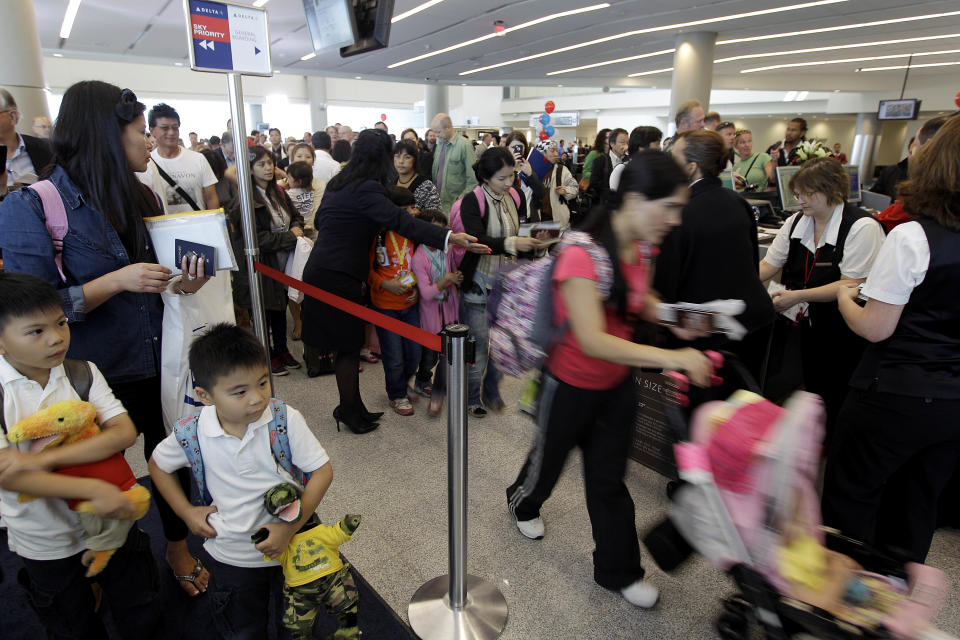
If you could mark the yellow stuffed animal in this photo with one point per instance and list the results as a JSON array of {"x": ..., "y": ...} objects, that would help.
[{"x": 68, "y": 422}]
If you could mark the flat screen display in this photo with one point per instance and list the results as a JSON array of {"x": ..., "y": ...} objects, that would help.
[
  {"x": 331, "y": 23},
  {"x": 853, "y": 171},
  {"x": 898, "y": 110}
]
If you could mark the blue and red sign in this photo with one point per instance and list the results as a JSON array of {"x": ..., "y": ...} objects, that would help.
[{"x": 229, "y": 37}]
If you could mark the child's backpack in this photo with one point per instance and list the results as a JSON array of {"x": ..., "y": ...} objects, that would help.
[
  {"x": 186, "y": 432},
  {"x": 521, "y": 307},
  {"x": 456, "y": 223}
]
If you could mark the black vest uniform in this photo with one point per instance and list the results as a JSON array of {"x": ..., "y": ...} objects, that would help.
[
  {"x": 830, "y": 350},
  {"x": 922, "y": 357},
  {"x": 898, "y": 434}
]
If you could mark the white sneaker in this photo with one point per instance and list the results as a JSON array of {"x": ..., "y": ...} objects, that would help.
[
  {"x": 641, "y": 594},
  {"x": 532, "y": 529}
]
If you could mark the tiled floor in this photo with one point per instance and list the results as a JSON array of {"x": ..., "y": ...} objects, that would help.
[{"x": 396, "y": 478}]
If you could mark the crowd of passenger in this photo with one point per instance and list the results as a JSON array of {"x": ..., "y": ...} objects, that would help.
[{"x": 421, "y": 228}]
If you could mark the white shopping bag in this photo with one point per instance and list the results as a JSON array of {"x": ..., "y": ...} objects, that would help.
[
  {"x": 184, "y": 318},
  {"x": 296, "y": 261}
]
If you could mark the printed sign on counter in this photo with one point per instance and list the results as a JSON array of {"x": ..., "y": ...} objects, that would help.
[
  {"x": 228, "y": 38},
  {"x": 654, "y": 431}
]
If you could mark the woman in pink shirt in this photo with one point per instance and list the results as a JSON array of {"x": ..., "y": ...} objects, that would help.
[{"x": 587, "y": 397}]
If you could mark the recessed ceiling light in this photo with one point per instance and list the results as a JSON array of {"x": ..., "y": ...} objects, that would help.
[
  {"x": 68, "y": 17},
  {"x": 650, "y": 73},
  {"x": 912, "y": 66},
  {"x": 838, "y": 47},
  {"x": 309, "y": 56},
  {"x": 668, "y": 27},
  {"x": 792, "y": 65},
  {"x": 788, "y": 34},
  {"x": 790, "y": 96},
  {"x": 606, "y": 62},
  {"x": 358, "y": 77},
  {"x": 463, "y": 84},
  {"x": 260, "y": 3},
  {"x": 547, "y": 18},
  {"x": 417, "y": 9},
  {"x": 802, "y": 96},
  {"x": 178, "y": 64},
  {"x": 58, "y": 55}
]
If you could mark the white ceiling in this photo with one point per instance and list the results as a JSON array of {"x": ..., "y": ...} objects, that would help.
[{"x": 154, "y": 31}]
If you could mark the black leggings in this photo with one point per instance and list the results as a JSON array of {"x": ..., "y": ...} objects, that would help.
[{"x": 141, "y": 399}]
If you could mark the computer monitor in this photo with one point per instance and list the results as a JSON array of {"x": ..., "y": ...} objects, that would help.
[
  {"x": 788, "y": 202},
  {"x": 726, "y": 179},
  {"x": 854, "y": 172}
]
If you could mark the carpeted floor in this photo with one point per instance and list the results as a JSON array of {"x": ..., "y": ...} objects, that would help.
[{"x": 186, "y": 618}]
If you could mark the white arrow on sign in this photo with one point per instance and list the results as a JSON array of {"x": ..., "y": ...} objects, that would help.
[{"x": 207, "y": 45}]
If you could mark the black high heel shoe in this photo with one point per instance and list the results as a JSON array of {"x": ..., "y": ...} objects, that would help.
[
  {"x": 371, "y": 416},
  {"x": 357, "y": 425}
]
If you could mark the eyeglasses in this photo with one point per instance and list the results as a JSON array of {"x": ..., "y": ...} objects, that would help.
[{"x": 805, "y": 197}]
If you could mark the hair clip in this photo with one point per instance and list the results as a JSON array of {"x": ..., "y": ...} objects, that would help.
[{"x": 128, "y": 108}]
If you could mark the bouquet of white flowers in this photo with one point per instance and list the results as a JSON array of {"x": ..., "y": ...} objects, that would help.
[{"x": 810, "y": 149}]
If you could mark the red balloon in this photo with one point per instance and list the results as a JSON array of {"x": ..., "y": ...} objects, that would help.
[
  {"x": 383, "y": 117},
  {"x": 543, "y": 135},
  {"x": 956, "y": 99},
  {"x": 549, "y": 107}
]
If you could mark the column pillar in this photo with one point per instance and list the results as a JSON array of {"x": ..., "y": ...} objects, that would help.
[
  {"x": 692, "y": 71},
  {"x": 22, "y": 74},
  {"x": 256, "y": 117},
  {"x": 435, "y": 100},
  {"x": 317, "y": 96},
  {"x": 864, "y": 144}
]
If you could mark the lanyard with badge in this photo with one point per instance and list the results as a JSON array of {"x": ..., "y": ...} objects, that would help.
[{"x": 404, "y": 276}]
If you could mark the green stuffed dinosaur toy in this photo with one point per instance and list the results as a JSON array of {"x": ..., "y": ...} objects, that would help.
[{"x": 314, "y": 575}]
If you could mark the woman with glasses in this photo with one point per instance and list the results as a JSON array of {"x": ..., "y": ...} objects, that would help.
[
  {"x": 752, "y": 171},
  {"x": 825, "y": 247}
]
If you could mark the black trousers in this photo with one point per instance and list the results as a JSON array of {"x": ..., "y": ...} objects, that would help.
[
  {"x": 61, "y": 596},
  {"x": 141, "y": 399},
  {"x": 601, "y": 424},
  {"x": 890, "y": 460},
  {"x": 241, "y": 597}
]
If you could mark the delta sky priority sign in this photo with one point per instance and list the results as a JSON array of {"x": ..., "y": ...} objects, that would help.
[{"x": 228, "y": 38}]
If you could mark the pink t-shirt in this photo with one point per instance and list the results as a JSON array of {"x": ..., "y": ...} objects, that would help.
[{"x": 567, "y": 361}]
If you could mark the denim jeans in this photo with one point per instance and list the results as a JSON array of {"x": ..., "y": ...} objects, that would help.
[
  {"x": 482, "y": 373},
  {"x": 60, "y": 593},
  {"x": 277, "y": 323},
  {"x": 400, "y": 356},
  {"x": 240, "y": 599}
]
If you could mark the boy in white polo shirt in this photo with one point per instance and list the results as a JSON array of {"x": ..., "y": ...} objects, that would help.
[
  {"x": 45, "y": 533},
  {"x": 239, "y": 466}
]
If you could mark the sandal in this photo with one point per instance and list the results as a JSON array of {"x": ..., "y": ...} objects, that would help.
[
  {"x": 192, "y": 577},
  {"x": 367, "y": 356}
]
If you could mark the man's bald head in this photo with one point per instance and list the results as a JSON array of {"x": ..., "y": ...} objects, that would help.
[{"x": 442, "y": 125}]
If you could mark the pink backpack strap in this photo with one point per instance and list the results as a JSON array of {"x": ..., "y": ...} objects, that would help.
[
  {"x": 516, "y": 198},
  {"x": 481, "y": 200},
  {"x": 55, "y": 216}
]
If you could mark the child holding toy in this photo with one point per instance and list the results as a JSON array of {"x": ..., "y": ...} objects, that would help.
[
  {"x": 231, "y": 448},
  {"x": 438, "y": 280},
  {"x": 45, "y": 532}
]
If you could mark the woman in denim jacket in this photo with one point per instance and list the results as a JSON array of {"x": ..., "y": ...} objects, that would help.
[{"x": 110, "y": 280}]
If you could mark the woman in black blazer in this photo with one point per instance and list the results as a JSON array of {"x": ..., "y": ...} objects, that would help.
[
  {"x": 355, "y": 208},
  {"x": 714, "y": 253}
]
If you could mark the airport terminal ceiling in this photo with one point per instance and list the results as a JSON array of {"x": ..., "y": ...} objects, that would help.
[{"x": 873, "y": 38}]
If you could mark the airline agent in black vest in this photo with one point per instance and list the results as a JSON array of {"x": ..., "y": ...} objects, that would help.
[
  {"x": 828, "y": 245},
  {"x": 898, "y": 434}
]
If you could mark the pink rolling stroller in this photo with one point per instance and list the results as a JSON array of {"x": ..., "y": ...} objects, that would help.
[{"x": 747, "y": 503}]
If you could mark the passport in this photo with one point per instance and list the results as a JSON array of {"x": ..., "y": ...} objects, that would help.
[{"x": 203, "y": 252}]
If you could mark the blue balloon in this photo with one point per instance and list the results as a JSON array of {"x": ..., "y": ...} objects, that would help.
[
  {"x": 544, "y": 118},
  {"x": 550, "y": 130}
]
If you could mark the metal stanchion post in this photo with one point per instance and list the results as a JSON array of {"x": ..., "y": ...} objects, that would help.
[
  {"x": 457, "y": 606},
  {"x": 251, "y": 249}
]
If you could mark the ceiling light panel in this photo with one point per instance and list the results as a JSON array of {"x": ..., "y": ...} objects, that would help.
[
  {"x": 912, "y": 66},
  {"x": 498, "y": 34},
  {"x": 838, "y": 47},
  {"x": 667, "y": 27},
  {"x": 68, "y": 17},
  {"x": 794, "y": 65},
  {"x": 417, "y": 9},
  {"x": 789, "y": 34}
]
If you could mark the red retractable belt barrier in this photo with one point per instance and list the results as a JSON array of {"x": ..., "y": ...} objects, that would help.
[{"x": 429, "y": 340}]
